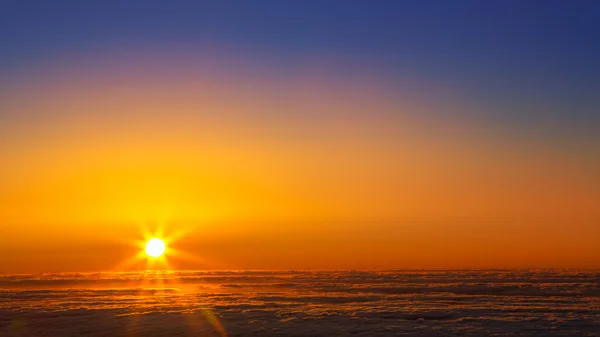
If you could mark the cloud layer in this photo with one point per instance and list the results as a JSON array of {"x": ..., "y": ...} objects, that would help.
[{"x": 326, "y": 303}]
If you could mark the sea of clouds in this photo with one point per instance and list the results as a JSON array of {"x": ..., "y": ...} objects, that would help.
[{"x": 298, "y": 303}]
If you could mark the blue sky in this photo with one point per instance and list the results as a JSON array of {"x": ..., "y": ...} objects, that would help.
[{"x": 515, "y": 56}]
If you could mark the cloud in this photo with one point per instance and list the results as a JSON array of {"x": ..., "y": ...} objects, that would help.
[{"x": 337, "y": 303}]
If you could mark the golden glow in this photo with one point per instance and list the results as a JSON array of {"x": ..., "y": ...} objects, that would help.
[
  {"x": 156, "y": 250},
  {"x": 264, "y": 175},
  {"x": 155, "y": 247}
]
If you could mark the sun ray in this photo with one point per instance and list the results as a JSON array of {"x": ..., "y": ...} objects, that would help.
[
  {"x": 133, "y": 260},
  {"x": 155, "y": 248}
]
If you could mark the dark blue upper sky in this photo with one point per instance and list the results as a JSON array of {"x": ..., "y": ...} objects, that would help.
[{"x": 534, "y": 52}]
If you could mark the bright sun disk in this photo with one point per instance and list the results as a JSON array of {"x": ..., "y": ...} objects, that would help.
[{"x": 155, "y": 247}]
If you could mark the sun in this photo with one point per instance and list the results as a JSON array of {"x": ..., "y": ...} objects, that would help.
[{"x": 155, "y": 247}]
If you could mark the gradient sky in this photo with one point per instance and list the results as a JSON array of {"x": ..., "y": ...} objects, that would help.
[{"x": 300, "y": 134}]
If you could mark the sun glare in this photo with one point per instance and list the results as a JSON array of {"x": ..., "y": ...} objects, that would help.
[{"x": 155, "y": 247}]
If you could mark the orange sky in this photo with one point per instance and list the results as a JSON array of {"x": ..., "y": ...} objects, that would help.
[{"x": 295, "y": 170}]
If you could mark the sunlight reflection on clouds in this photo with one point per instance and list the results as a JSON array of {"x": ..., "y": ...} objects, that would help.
[{"x": 302, "y": 303}]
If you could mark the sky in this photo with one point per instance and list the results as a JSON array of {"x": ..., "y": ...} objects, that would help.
[{"x": 300, "y": 134}]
